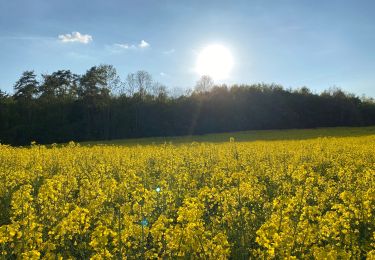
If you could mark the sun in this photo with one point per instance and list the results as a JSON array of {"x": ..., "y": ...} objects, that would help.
[{"x": 215, "y": 61}]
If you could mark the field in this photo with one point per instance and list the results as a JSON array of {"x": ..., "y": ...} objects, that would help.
[
  {"x": 245, "y": 136},
  {"x": 310, "y": 194}
]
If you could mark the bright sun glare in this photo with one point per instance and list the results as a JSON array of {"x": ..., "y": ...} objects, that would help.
[{"x": 215, "y": 61}]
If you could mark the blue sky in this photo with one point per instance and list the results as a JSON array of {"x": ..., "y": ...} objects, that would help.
[{"x": 318, "y": 44}]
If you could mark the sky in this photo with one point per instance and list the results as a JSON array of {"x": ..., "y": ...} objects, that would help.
[{"x": 318, "y": 44}]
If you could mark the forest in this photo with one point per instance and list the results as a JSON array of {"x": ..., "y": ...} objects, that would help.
[{"x": 98, "y": 105}]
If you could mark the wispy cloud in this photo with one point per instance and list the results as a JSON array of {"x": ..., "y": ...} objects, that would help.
[
  {"x": 143, "y": 44},
  {"x": 118, "y": 47},
  {"x": 169, "y": 51},
  {"x": 75, "y": 37},
  {"x": 125, "y": 46},
  {"x": 163, "y": 74}
]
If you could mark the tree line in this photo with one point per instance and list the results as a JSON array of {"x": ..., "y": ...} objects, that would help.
[{"x": 98, "y": 105}]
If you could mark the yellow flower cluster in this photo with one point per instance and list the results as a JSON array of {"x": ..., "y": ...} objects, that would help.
[{"x": 266, "y": 199}]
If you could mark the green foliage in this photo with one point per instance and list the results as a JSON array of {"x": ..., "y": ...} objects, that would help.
[
  {"x": 98, "y": 106},
  {"x": 60, "y": 84},
  {"x": 26, "y": 87}
]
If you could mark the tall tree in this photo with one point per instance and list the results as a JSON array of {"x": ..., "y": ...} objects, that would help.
[
  {"x": 26, "y": 87},
  {"x": 204, "y": 84},
  {"x": 143, "y": 81},
  {"x": 61, "y": 84},
  {"x": 3, "y": 95},
  {"x": 159, "y": 91},
  {"x": 99, "y": 81},
  {"x": 139, "y": 83},
  {"x": 130, "y": 86},
  {"x": 96, "y": 86}
]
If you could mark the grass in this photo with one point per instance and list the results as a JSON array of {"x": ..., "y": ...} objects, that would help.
[{"x": 254, "y": 135}]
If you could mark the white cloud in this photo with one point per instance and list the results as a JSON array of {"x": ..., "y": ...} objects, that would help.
[
  {"x": 164, "y": 75},
  {"x": 143, "y": 44},
  {"x": 169, "y": 51},
  {"x": 117, "y": 47},
  {"x": 125, "y": 46},
  {"x": 75, "y": 37}
]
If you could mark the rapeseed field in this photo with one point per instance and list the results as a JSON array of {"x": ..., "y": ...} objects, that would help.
[{"x": 310, "y": 198}]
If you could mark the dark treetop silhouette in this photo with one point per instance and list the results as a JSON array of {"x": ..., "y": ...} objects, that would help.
[{"x": 64, "y": 106}]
